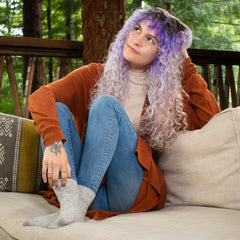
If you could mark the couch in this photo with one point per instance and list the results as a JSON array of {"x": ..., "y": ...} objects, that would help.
[{"x": 202, "y": 172}]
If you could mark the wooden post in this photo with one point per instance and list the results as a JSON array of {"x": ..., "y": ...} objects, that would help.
[
  {"x": 68, "y": 66},
  {"x": 238, "y": 87},
  {"x": 220, "y": 84},
  {"x": 59, "y": 69},
  {"x": 28, "y": 85},
  {"x": 215, "y": 82},
  {"x": 2, "y": 58},
  {"x": 232, "y": 85},
  {"x": 206, "y": 75},
  {"x": 13, "y": 85},
  {"x": 226, "y": 90},
  {"x": 41, "y": 71}
]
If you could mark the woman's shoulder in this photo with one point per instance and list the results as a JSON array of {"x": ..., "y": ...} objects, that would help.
[{"x": 89, "y": 70}]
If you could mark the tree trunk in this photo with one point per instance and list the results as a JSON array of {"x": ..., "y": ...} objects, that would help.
[
  {"x": 32, "y": 18},
  {"x": 32, "y": 27},
  {"x": 101, "y": 20},
  {"x": 169, "y": 6},
  {"x": 68, "y": 5}
]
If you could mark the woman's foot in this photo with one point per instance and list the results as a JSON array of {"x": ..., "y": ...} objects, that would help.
[{"x": 43, "y": 221}]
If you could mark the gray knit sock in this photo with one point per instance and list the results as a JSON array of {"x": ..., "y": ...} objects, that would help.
[
  {"x": 43, "y": 221},
  {"x": 86, "y": 196},
  {"x": 74, "y": 202}
]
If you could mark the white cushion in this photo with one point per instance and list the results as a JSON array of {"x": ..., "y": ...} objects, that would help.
[
  {"x": 170, "y": 223},
  {"x": 203, "y": 166}
]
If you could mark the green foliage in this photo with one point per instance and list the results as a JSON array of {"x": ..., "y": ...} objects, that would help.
[
  {"x": 10, "y": 17},
  {"x": 215, "y": 25},
  {"x": 6, "y": 100},
  {"x": 59, "y": 10},
  {"x": 131, "y": 5}
]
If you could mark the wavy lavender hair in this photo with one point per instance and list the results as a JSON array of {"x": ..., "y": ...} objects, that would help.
[{"x": 164, "y": 115}]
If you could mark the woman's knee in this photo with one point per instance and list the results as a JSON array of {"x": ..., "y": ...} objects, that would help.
[
  {"x": 62, "y": 109},
  {"x": 105, "y": 101}
]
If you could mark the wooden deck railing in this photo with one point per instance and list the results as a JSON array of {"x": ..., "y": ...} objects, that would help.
[
  {"x": 221, "y": 80},
  {"x": 36, "y": 49},
  {"x": 216, "y": 67}
]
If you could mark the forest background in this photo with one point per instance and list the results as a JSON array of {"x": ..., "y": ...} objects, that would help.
[{"x": 215, "y": 25}]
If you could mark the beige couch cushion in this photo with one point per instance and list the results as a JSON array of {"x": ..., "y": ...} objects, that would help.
[
  {"x": 203, "y": 166},
  {"x": 170, "y": 223}
]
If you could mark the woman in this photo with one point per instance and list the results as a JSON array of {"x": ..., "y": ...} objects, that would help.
[{"x": 123, "y": 111}]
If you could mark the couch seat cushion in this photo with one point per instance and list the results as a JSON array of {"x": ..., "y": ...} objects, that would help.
[{"x": 170, "y": 223}]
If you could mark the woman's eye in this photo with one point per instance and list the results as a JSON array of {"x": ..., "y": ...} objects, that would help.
[
  {"x": 137, "y": 29},
  {"x": 150, "y": 40}
]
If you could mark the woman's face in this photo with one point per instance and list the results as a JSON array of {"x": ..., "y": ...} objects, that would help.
[{"x": 141, "y": 46}]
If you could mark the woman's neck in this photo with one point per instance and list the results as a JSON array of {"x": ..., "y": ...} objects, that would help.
[{"x": 138, "y": 78}]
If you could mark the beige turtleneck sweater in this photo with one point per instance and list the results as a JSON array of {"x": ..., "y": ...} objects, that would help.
[{"x": 136, "y": 96}]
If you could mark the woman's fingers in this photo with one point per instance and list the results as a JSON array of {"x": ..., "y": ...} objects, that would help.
[
  {"x": 64, "y": 177},
  {"x": 55, "y": 165},
  {"x": 44, "y": 172}
]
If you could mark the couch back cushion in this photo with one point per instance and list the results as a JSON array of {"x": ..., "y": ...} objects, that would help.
[
  {"x": 20, "y": 155},
  {"x": 203, "y": 166}
]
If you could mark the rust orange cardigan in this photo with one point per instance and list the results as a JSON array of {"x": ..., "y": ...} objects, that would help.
[{"x": 73, "y": 90}]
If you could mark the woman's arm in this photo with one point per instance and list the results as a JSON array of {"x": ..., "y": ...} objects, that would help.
[
  {"x": 73, "y": 91},
  {"x": 200, "y": 104}
]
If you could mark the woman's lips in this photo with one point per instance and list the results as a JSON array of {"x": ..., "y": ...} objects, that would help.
[{"x": 132, "y": 50}]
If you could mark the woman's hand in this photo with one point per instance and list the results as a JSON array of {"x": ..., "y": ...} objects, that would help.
[{"x": 55, "y": 160}]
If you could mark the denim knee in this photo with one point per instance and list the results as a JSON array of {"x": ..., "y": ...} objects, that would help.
[
  {"x": 104, "y": 100},
  {"x": 62, "y": 108}
]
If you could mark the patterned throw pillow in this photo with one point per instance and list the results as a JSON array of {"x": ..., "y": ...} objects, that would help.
[{"x": 20, "y": 155}]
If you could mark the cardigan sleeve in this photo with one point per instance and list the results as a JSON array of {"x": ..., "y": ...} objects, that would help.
[
  {"x": 72, "y": 90},
  {"x": 199, "y": 103}
]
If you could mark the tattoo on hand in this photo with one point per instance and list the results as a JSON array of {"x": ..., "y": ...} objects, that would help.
[{"x": 56, "y": 147}]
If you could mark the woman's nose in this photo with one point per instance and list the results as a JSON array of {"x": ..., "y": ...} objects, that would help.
[{"x": 137, "y": 41}]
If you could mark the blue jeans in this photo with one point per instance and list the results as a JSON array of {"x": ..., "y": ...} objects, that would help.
[{"x": 108, "y": 150}]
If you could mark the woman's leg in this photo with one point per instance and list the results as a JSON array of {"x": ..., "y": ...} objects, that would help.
[
  {"x": 109, "y": 148},
  {"x": 72, "y": 206},
  {"x": 68, "y": 196}
]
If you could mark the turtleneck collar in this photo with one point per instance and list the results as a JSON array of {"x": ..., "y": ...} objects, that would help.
[{"x": 138, "y": 78}]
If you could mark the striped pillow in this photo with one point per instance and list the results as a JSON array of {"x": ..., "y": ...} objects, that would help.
[{"x": 20, "y": 155}]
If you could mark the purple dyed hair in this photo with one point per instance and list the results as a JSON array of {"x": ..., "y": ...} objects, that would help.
[{"x": 164, "y": 115}]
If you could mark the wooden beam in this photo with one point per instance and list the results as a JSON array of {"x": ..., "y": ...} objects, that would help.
[
  {"x": 206, "y": 75},
  {"x": 2, "y": 58},
  {"x": 220, "y": 84},
  {"x": 202, "y": 56},
  {"x": 68, "y": 66},
  {"x": 40, "y": 43},
  {"x": 229, "y": 71},
  {"x": 226, "y": 90},
  {"x": 13, "y": 85},
  {"x": 28, "y": 85},
  {"x": 238, "y": 87},
  {"x": 215, "y": 82},
  {"x": 26, "y": 46},
  {"x": 41, "y": 71}
]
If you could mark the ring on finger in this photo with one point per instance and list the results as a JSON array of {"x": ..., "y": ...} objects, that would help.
[
  {"x": 49, "y": 172},
  {"x": 64, "y": 170}
]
